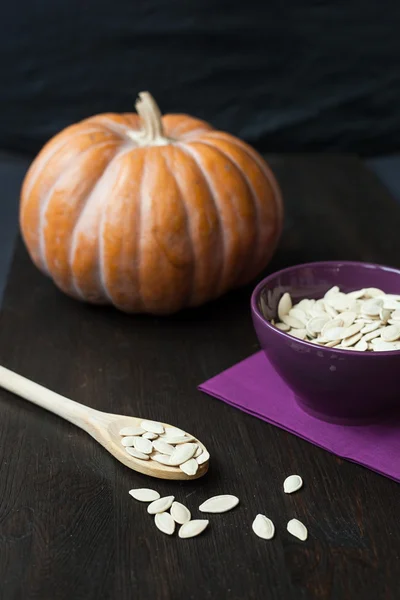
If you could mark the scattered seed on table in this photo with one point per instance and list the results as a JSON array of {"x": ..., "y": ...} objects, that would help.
[
  {"x": 292, "y": 484},
  {"x": 180, "y": 513},
  {"x": 263, "y": 527},
  {"x": 160, "y": 505},
  {"x": 219, "y": 504},
  {"x": 297, "y": 529},
  {"x": 144, "y": 494},
  {"x": 165, "y": 523},
  {"x": 193, "y": 528}
]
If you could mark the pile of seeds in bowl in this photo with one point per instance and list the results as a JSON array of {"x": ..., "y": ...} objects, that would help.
[
  {"x": 169, "y": 446},
  {"x": 167, "y": 513},
  {"x": 363, "y": 320}
]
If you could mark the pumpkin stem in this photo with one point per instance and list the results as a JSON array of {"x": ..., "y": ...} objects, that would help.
[{"x": 150, "y": 115}]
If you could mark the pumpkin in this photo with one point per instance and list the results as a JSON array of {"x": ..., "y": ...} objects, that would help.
[{"x": 149, "y": 213}]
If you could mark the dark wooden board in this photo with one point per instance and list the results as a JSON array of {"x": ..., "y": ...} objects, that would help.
[{"x": 68, "y": 528}]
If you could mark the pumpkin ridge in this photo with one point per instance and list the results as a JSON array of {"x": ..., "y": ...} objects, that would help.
[
  {"x": 46, "y": 202},
  {"x": 190, "y": 151},
  {"x": 192, "y": 262},
  {"x": 76, "y": 229},
  {"x": 63, "y": 142},
  {"x": 254, "y": 201},
  {"x": 252, "y": 154}
]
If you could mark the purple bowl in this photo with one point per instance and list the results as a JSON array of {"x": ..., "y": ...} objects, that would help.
[{"x": 331, "y": 384}]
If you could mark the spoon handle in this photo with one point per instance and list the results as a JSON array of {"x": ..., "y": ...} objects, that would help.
[{"x": 76, "y": 413}]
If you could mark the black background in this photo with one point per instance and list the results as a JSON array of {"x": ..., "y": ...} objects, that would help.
[{"x": 286, "y": 75}]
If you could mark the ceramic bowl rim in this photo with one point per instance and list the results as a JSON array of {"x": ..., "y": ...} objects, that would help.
[{"x": 327, "y": 263}]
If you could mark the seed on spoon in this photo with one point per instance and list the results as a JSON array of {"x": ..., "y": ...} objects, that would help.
[
  {"x": 179, "y": 439},
  {"x": 152, "y": 426},
  {"x": 204, "y": 457},
  {"x": 144, "y": 494},
  {"x": 174, "y": 431},
  {"x": 182, "y": 454},
  {"x": 131, "y": 431},
  {"x": 163, "y": 459},
  {"x": 129, "y": 440},
  {"x": 163, "y": 447},
  {"x": 292, "y": 484},
  {"x": 190, "y": 467},
  {"x": 143, "y": 445},
  {"x": 160, "y": 505},
  {"x": 136, "y": 454},
  {"x": 150, "y": 436}
]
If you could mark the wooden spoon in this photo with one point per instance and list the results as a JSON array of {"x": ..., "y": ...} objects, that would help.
[{"x": 104, "y": 427}]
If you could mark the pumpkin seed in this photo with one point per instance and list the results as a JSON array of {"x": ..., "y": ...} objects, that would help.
[
  {"x": 160, "y": 505},
  {"x": 136, "y": 454},
  {"x": 292, "y": 322},
  {"x": 182, "y": 454},
  {"x": 299, "y": 333},
  {"x": 143, "y": 445},
  {"x": 350, "y": 341},
  {"x": 193, "y": 528},
  {"x": 204, "y": 457},
  {"x": 150, "y": 436},
  {"x": 144, "y": 494},
  {"x": 131, "y": 431},
  {"x": 129, "y": 440},
  {"x": 297, "y": 529},
  {"x": 163, "y": 447},
  {"x": 370, "y": 327},
  {"x": 285, "y": 304},
  {"x": 190, "y": 467},
  {"x": 152, "y": 426},
  {"x": 179, "y": 439},
  {"x": 298, "y": 314},
  {"x": 338, "y": 319},
  {"x": 163, "y": 459},
  {"x": 174, "y": 431},
  {"x": 263, "y": 527},
  {"x": 219, "y": 504},
  {"x": 180, "y": 513},
  {"x": 391, "y": 333},
  {"x": 165, "y": 523},
  {"x": 362, "y": 345},
  {"x": 292, "y": 484}
]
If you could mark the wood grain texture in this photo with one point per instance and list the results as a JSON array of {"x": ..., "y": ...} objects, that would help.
[{"x": 68, "y": 527}]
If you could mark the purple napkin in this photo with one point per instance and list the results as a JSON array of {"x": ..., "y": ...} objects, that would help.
[{"x": 253, "y": 386}]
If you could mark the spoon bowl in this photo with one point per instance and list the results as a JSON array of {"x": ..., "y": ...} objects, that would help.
[{"x": 103, "y": 427}]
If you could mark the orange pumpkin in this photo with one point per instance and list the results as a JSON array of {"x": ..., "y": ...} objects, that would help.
[{"x": 148, "y": 213}]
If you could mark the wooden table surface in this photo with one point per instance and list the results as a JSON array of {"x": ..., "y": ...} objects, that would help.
[{"x": 68, "y": 528}]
